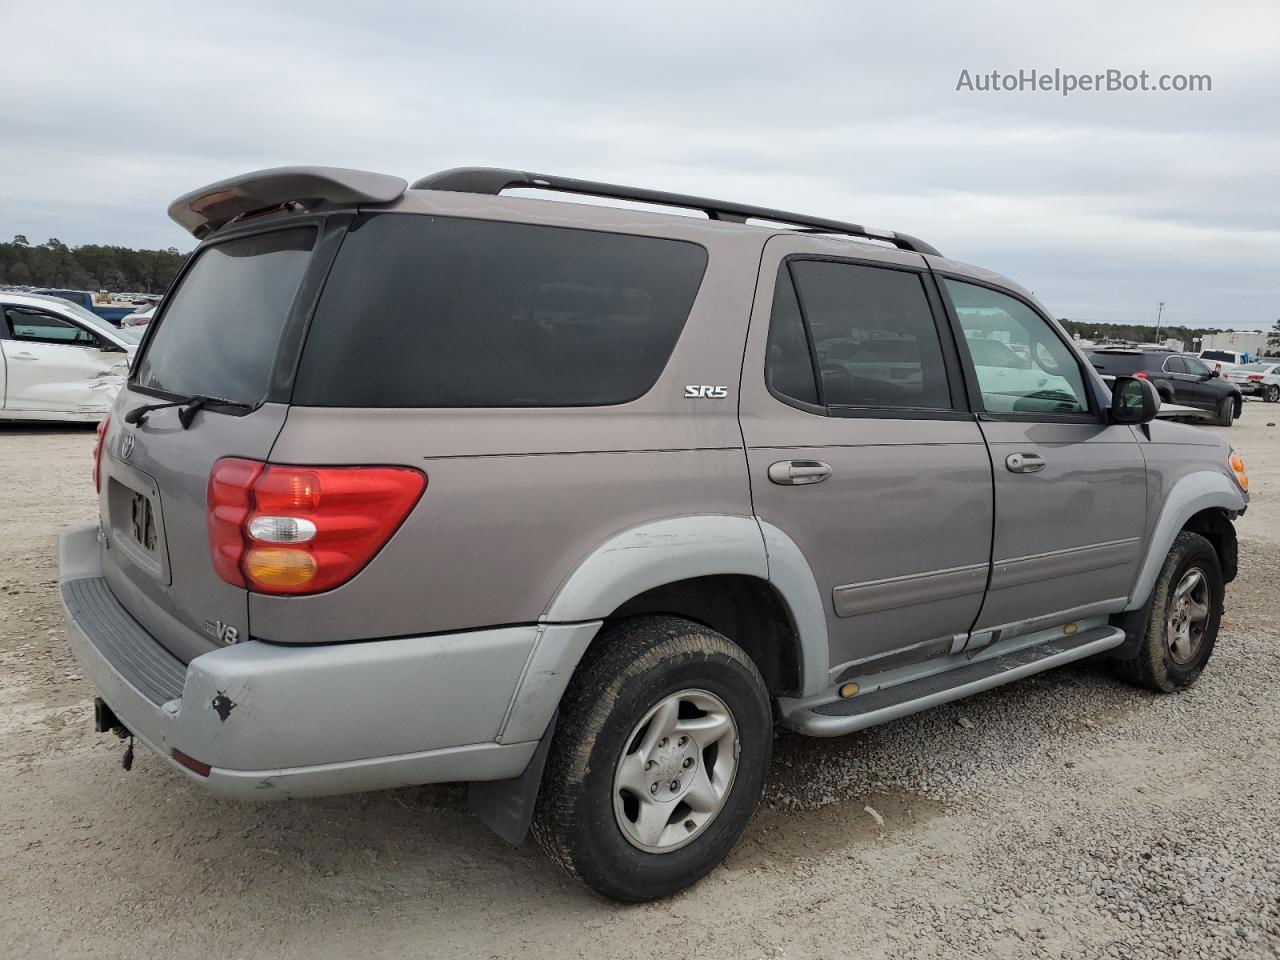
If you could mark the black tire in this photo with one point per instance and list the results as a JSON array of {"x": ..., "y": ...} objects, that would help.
[
  {"x": 1226, "y": 411},
  {"x": 628, "y": 670},
  {"x": 1272, "y": 393},
  {"x": 1156, "y": 667}
]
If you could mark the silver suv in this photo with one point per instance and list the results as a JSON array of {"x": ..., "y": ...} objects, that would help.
[{"x": 572, "y": 502}]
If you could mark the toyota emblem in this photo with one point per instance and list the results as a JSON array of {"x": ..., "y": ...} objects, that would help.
[{"x": 126, "y": 446}]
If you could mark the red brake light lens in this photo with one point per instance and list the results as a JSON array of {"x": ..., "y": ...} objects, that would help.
[
  {"x": 230, "y": 500},
  {"x": 296, "y": 530},
  {"x": 1140, "y": 375},
  {"x": 97, "y": 454}
]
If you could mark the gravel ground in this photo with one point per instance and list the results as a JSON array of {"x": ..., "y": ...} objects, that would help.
[{"x": 1064, "y": 816}]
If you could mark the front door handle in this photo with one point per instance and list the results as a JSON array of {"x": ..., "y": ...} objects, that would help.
[
  {"x": 22, "y": 356},
  {"x": 799, "y": 472},
  {"x": 1024, "y": 462}
]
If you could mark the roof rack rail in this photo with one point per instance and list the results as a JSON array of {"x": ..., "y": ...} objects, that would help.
[{"x": 493, "y": 180}]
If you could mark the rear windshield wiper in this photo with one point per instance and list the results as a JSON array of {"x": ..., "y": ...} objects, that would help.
[{"x": 190, "y": 407}]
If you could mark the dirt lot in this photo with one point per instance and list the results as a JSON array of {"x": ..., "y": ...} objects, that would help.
[{"x": 1063, "y": 816}]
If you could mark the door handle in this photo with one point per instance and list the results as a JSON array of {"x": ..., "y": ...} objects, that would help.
[
  {"x": 799, "y": 472},
  {"x": 23, "y": 356},
  {"x": 1024, "y": 462}
]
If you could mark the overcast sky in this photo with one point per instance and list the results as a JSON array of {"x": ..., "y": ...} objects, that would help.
[{"x": 1102, "y": 203}]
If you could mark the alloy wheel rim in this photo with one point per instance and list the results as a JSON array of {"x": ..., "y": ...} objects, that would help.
[
  {"x": 1188, "y": 616},
  {"x": 675, "y": 771}
]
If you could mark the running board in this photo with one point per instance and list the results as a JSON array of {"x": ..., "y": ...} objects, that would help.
[{"x": 973, "y": 676}]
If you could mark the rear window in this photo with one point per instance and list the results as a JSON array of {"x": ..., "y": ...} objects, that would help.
[
  {"x": 425, "y": 311},
  {"x": 1218, "y": 355},
  {"x": 218, "y": 334},
  {"x": 1255, "y": 367},
  {"x": 1120, "y": 364}
]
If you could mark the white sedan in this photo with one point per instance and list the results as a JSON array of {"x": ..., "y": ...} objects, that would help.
[
  {"x": 60, "y": 361},
  {"x": 1260, "y": 378}
]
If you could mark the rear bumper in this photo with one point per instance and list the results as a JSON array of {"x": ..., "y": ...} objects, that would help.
[{"x": 290, "y": 721}]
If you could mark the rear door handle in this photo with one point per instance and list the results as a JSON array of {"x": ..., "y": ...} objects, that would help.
[
  {"x": 1024, "y": 462},
  {"x": 799, "y": 472},
  {"x": 22, "y": 356}
]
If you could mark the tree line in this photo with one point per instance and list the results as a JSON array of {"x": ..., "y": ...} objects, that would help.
[
  {"x": 88, "y": 267},
  {"x": 1093, "y": 330}
]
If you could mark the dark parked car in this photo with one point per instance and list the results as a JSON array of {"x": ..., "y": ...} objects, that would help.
[{"x": 1178, "y": 378}]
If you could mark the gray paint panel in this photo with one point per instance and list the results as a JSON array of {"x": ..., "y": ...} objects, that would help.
[
  {"x": 1064, "y": 563},
  {"x": 895, "y": 592}
]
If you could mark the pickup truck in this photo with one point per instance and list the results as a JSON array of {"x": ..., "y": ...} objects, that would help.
[{"x": 111, "y": 313}]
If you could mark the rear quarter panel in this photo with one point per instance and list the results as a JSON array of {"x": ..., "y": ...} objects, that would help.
[{"x": 516, "y": 498}]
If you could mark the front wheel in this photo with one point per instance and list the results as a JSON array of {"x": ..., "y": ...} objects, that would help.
[
  {"x": 1226, "y": 412},
  {"x": 1186, "y": 609},
  {"x": 657, "y": 761}
]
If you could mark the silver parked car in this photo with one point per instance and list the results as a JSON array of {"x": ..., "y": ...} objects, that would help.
[{"x": 572, "y": 502}]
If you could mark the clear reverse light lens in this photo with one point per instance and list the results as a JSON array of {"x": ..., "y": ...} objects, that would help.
[{"x": 281, "y": 529}]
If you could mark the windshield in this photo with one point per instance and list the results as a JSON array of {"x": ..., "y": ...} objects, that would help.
[{"x": 218, "y": 333}]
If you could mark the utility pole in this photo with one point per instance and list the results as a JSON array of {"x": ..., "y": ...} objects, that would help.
[{"x": 1159, "y": 313}]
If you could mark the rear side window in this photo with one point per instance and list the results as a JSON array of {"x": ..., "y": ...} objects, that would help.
[
  {"x": 425, "y": 311},
  {"x": 218, "y": 334},
  {"x": 872, "y": 334}
]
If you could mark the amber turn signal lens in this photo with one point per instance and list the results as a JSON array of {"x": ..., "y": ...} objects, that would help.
[
  {"x": 279, "y": 567},
  {"x": 1237, "y": 467}
]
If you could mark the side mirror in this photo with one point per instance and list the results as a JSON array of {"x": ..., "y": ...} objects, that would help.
[
  {"x": 1133, "y": 401},
  {"x": 106, "y": 346},
  {"x": 1214, "y": 373}
]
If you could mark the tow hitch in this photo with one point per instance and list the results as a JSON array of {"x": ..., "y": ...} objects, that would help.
[{"x": 106, "y": 721}]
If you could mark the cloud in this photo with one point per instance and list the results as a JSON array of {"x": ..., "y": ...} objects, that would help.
[{"x": 1102, "y": 203}]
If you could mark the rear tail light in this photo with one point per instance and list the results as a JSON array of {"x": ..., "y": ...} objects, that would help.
[
  {"x": 1140, "y": 375},
  {"x": 1254, "y": 376},
  {"x": 97, "y": 454},
  {"x": 294, "y": 530}
]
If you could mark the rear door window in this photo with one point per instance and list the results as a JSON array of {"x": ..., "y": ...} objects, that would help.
[
  {"x": 1175, "y": 365},
  {"x": 218, "y": 333},
  {"x": 872, "y": 333},
  {"x": 788, "y": 364},
  {"x": 423, "y": 311}
]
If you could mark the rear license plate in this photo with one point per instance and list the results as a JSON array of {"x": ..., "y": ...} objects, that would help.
[{"x": 142, "y": 524}]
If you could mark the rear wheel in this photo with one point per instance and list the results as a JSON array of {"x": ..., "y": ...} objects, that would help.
[
  {"x": 1272, "y": 393},
  {"x": 657, "y": 761},
  {"x": 1186, "y": 609},
  {"x": 1226, "y": 412}
]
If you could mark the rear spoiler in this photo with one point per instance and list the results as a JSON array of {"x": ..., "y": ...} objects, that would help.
[{"x": 203, "y": 211}]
